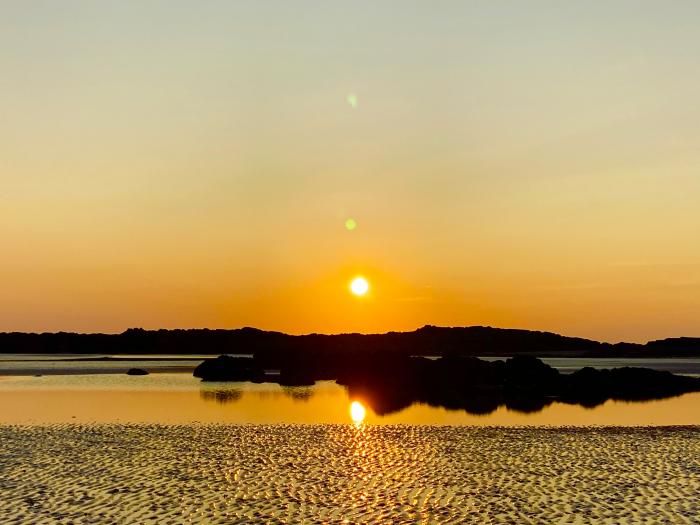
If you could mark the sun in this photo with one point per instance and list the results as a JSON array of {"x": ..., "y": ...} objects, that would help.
[{"x": 359, "y": 286}]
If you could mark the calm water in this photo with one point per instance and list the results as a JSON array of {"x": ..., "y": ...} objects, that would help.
[
  {"x": 80, "y": 388},
  {"x": 30, "y": 364},
  {"x": 180, "y": 398}
]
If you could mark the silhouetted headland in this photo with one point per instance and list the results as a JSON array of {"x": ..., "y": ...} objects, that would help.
[
  {"x": 391, "y": 383},
  {"x": 426, "y": 341}
]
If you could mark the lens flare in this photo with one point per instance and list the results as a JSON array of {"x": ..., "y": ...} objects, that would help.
[
  {"x": 359, "y": 286},
  {"x": 352, "y": 100},
  {"x": 357, "y": 412},
  {"x": 350, "y": 224}
]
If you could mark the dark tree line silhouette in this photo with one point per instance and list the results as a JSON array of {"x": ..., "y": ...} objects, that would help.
[{"x": 426, "y": 341}]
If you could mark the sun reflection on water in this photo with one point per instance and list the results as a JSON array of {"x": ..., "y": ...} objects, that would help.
[{"x": 357, "y": 412}]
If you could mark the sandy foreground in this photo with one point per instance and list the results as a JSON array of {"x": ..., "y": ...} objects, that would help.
[{"x": 344, "y": 474}]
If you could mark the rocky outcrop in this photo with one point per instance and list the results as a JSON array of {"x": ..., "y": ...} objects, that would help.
[
  {"x": 523, "y": 383},
  {"x": 227, "y": 368}
]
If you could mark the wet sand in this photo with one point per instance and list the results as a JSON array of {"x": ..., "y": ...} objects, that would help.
[{"x": 330, "y": 473}]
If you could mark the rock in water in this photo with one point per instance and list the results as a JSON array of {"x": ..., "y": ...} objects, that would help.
[{"x": 227, "y": 368}]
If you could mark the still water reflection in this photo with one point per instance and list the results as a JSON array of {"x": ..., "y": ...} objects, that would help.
[
  {"x": 179, "y": 398},
  {"x": 357, "y": 412}
]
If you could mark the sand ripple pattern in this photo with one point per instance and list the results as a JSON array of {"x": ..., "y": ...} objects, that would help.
[{"x": 340, "y": 474}]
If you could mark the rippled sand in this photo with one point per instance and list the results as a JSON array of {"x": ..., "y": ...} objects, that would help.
[{"x": 334, "y": 473}]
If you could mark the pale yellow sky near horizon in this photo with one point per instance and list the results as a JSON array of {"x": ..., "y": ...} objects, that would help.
[{"x": 192, "y": 164}]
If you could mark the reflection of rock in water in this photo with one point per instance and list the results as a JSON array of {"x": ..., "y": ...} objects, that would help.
[
  {"x": 298, "y": 393},
  {"x": 391, "y": 382},
  {"x": 522, "y": 384},
  {"x": 221, "y": 395}
]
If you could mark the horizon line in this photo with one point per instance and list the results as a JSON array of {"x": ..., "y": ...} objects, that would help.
[{"x": 136, "y": 328}]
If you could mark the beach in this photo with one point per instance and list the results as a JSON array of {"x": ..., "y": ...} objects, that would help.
[
  {"x": 101, "y": 447},
  {"x": 147, "y": 473}
]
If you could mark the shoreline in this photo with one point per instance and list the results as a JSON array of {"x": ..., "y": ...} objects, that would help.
[
  {"x": 358, "y": 427},
  {"x": 40, "y": 372},
  {"x": 71, "y": 364}
]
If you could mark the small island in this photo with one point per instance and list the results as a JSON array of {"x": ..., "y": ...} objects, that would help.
[{"x": 390, "y": 383}]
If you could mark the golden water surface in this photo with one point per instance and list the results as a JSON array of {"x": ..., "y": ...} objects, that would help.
[{"x": 178, "y": 398}]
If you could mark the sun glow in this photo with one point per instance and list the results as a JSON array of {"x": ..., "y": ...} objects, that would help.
[
  {"x": 359, "y": 286},
  {"x": 357, "y": 412}
]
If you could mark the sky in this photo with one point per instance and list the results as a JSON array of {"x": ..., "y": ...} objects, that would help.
[{"x": 191, "y": 164}]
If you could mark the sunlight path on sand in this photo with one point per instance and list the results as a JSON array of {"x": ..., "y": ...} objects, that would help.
[{"x": 328, "y": 473}]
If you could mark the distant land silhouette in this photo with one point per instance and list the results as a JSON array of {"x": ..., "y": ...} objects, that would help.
[{"x": 426, "y": 341}]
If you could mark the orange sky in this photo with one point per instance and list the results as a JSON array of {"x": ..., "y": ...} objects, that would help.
[{"x": 188, "y": 165}]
